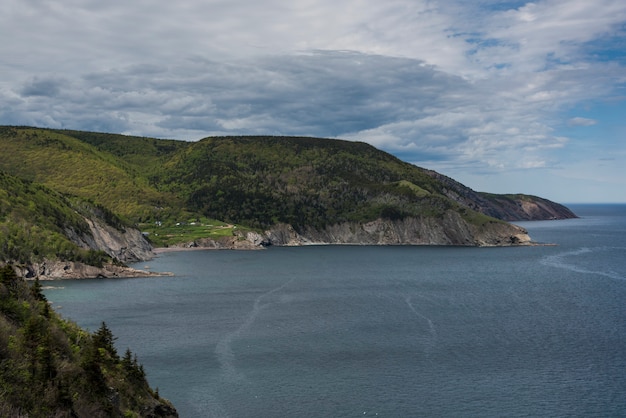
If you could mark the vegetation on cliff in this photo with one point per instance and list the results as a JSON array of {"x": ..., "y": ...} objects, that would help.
[
  {"x": 36, "y": 223},
  {"x": 255, "y": 182},
  {"x": 49, "y": 367}
]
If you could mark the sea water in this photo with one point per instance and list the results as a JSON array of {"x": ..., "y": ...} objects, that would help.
[{"x": 406, "y": 331}]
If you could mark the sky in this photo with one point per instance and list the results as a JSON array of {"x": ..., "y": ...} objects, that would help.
[{"x": 504, "y": 96}]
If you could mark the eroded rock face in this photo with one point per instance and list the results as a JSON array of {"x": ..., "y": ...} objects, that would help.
[
  {"x": 451, "y": 229},
  {"x": 52, "y": 270},
  {"x": 131, "y": 246},
  {"x": 128, "y": 246},
  {"x": 125, "y": 246}
]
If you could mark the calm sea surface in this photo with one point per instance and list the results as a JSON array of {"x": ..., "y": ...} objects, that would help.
[{"x": 347, "y": 331}]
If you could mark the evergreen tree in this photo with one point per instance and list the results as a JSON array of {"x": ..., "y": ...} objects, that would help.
[
  {"x": 36, "y": 291},
  {"x": 103, "y": 338},
  {"x": 9, "y": 278}
]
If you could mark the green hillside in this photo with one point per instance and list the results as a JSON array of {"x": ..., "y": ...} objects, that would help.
[
  {"x": 69, "y": 165},
  {"x": 49, "y": 367},
  {"x": 35, "y": 223},
  {"x": 140, "y": 156},
  {"x": 261, "y": 181},
  {"x": 255, "y": 182}
]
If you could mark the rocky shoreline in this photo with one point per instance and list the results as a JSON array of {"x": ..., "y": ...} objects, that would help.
[
  {"x": 59, "y": 270},
  {"x": 449, "y": 230}
]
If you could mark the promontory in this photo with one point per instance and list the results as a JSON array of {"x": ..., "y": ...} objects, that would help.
[{"x": 72, "y": 198}]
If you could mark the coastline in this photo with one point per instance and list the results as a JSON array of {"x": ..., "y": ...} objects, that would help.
[
  {"x": 161, "y": 250},
  {"x": 58, "y": 270}
]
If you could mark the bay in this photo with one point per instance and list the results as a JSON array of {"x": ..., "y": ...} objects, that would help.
[{"x": 380, "y": 331}]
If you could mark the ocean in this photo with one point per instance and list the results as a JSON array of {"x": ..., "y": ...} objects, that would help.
[{"x": 391, "y": 331}]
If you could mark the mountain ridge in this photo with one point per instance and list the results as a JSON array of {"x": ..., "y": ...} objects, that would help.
[
  {"x": 265, "y": 189},
  {"x": 509, "y": 207}
]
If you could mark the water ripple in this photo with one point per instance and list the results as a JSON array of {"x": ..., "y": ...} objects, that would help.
[
  {"x": 432, "y": 331},
  {"x": 223, "y": 349},
  {"x": 564, "y": 261}
]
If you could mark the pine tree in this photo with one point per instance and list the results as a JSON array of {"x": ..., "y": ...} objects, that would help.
[
  {"x": 103, "y": 338},
  {"x": 36, "y": 291}
]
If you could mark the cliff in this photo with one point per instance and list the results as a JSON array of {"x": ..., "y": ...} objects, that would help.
[
  {"x": 127, "y": 245},
  {"x": 451, "y": 229},
  {"x": 123, "y": 246},
  {"x": 520, "y": 207},
  {"x": 51, "y": 235}
]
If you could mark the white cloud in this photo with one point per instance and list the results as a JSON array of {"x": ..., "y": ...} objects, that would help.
[
  {"x": 578, "y": 121},
  {"x": 476, "y": 86}
]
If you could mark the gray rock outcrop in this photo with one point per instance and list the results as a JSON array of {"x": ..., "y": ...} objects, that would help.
[
  {"x": 451, "y": 229},
  {"x": 54, "y": 269},
  {"x": 127, "y": 245}
]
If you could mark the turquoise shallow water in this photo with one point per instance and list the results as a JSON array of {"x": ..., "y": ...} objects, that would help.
[{"x": 387, "y": 331}]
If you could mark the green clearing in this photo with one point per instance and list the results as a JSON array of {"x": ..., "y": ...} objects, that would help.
[
  {"x": 417, "y": 190},
  {"x": 164, "y": 234}
]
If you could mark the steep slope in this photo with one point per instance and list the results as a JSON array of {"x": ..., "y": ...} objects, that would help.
[
  {"x": 50, "y": 367},
  {"x": 509, "y": 207},
  {"x": 43, "y": 231},
  {"x": 516, "y": 207}
]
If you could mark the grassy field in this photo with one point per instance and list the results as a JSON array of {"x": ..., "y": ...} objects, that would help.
[{"x": 170, "y": 233}]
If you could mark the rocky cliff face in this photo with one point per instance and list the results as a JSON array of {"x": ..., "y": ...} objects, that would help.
[
  {"x": 54, "y": 269},
  {"x": 127, "y": 245},
  {"x": 525, "y": 208},
  {"x": 452, "y": 229}
]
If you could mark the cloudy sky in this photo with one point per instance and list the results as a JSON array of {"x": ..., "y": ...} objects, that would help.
[{"x": 504, "y": 96}]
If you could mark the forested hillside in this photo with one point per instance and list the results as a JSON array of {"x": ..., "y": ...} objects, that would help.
[
  {"x": 259, "y": 183},
  {"x": 68, "y": 165},
  {"x": 49, "y": 367},
  {"x": 36, "y": 223}
]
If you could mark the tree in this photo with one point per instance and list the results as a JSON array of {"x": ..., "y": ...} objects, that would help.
[
  {"x": 8, "y": 276},
  {"x": 35, "y": 290},
  {"x": 103, "y": 338}
]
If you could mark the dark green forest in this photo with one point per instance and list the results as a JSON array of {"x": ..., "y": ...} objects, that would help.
[{"x": 304, "y": 182}]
